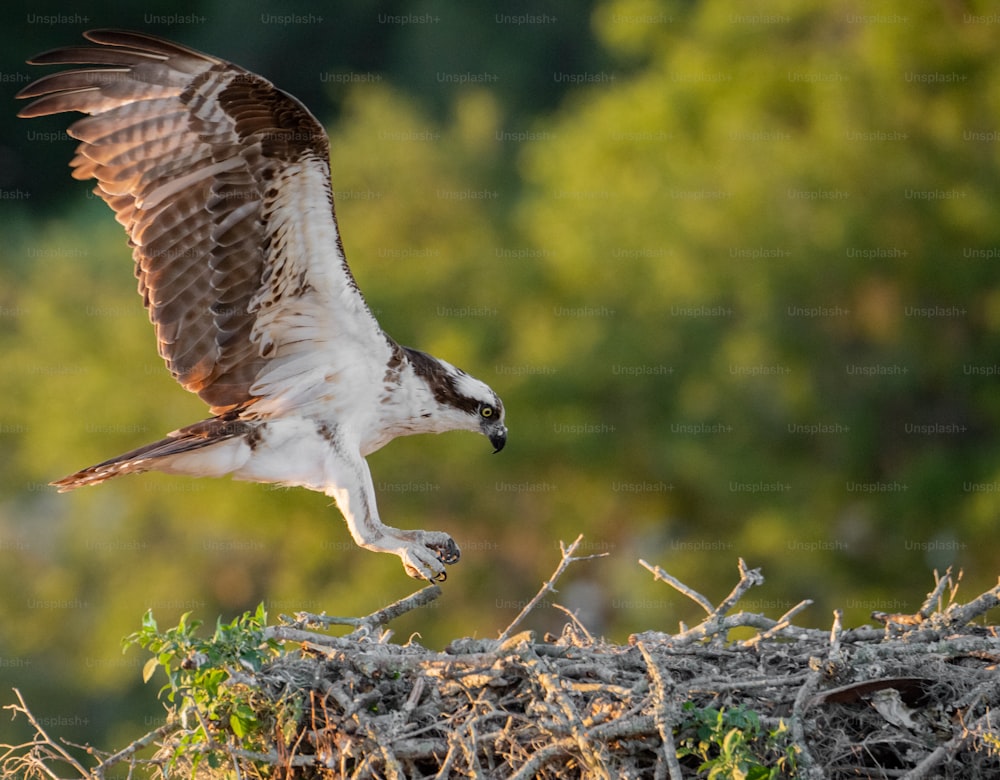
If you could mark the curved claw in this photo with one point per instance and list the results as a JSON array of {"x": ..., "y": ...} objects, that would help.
[
  {"x": 423, "y": 556},
  {"x": 448, "y": 552}
]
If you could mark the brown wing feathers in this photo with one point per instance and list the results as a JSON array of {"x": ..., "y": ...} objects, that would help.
[{"x": 184, "y": 148}]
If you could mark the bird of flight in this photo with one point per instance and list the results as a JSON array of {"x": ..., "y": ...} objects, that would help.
[{"x": 222, "y": 182}]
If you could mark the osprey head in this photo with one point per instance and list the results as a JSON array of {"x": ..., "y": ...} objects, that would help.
[
  {"x": 463, "y": 402},
  {"x": 477, "y": 400}
]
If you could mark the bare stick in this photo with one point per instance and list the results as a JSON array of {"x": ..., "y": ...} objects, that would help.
[
  {"x": 712, "y": 627},
  {"x": 547, "y": 587},
  {"x": 380, "y": 617},
  {"x": 416, "y": 600},
  {"x": 393, "y": 769},
  {"x": 804, "y": 604},
  {"x": 53, "y": 748},
  {"x": 748, "y": 579},
  {"x": 133, "y": 748},
  {"x": 676, "y": 584},
  {"x": 540, "y": 758},
  {"x": 445, "y": 770},
  {"x": 931, "y": 602},
  {"x": 785, "y": 621},
  {"x": 802, "y": 699},
  {"x": 960, "y": 616},
  {"x": 576, "y": 622},
  {"x": 836, "y": 630},
  {"x": 954, "y": 588},
  {"x": 663, "y": 723}
]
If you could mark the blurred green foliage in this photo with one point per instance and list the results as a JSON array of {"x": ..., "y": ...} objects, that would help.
[{"x": 734, "y": 274}]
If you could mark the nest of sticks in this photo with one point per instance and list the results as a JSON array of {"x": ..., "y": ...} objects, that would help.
[{"x": 911, "y": 697}]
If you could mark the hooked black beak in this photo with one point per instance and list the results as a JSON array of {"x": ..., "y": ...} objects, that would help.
[{"x": 498, "y": 438}]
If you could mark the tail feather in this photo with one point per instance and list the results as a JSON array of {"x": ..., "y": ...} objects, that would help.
[{"x": 191, "y": 437}]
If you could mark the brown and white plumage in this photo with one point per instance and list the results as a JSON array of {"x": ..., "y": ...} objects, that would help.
[{"x": 222, "y": 183}]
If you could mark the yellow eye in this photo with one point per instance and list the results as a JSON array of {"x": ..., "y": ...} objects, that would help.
[{"x": 486, "y": 411}]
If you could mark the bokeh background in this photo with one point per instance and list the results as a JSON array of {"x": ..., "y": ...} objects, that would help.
[{"x": 732, "y": 267}]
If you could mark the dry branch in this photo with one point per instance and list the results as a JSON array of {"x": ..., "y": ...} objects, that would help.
[
  {"x": 44, "y": 753},
  {"x": 365, "y": 625},
  {"x": 547, "y": 586}
]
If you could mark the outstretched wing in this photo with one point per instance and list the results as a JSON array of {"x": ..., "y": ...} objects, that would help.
[{"x": 222, "y": 182}]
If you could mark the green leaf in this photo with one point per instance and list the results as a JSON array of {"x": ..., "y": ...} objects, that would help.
[
  {"x": 243, "y": 720},
  {"x": 148, "y": 668},
  {"x": 732, "y": 741}
]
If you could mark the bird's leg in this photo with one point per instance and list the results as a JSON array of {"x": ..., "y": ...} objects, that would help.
[{"x": 424, "y": 553}]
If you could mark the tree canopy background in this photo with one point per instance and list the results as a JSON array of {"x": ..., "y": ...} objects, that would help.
[{"x": 733, "y": 272}]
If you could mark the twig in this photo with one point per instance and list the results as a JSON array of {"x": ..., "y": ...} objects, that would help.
[
  {"x": 954, "y": 614},
  {"x": 445, "y": 771},
  {"x": 303, "y": 619},
  {"x": 393, "y": 769},
  {"x": 931, "y": 605},
  {"x": 954, "y": 588},
  {"x": 416, "y": 600},
  {"x": 836, "y": 631},
  {"x": 576, "y": 622},
  {"x": 709, "y": 628},
  {"x": 54, "y": 748},
  {"x": 715, "y": 685},
  {"x": 716, "y": 622},
  {"x": 675, "y": 583},
  {"x": 547, "y": 587},
  {"x": 468, "y": 746},
  {"x": 380, "y": 617},
  {"x": 236, "y": 764},
  {"x": 541, "y": 757},
  {"x": 748, "y": 579},
  {"x": 130, "y": 750},
  {"x": 664, "y": 723},
  {"x": 965, "y": 614},
  {"x": 782, "y": 623},
  {"x": 797, "y": 727},
  {"x": 271, "y": 757}
]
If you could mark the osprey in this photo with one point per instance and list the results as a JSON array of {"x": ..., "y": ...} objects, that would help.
[{"x": 222, "y": 183}]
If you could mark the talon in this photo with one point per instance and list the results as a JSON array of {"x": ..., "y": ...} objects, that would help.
[
  {"x": 448, "y": 552},
  {"x": 424, "y": 553}
]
